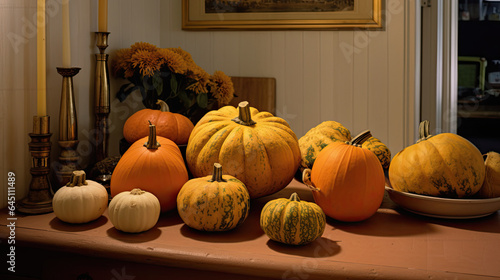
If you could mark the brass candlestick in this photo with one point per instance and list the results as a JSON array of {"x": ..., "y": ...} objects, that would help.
[
  {"x": 68, "y": 128},
  {"x": 39, "y": 199},
  {"x": 101, "y": 94}
]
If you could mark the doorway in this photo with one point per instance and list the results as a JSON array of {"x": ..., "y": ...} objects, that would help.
[
  {"x": 460, "y": 68},
  {"x": 478, "y": 107}
]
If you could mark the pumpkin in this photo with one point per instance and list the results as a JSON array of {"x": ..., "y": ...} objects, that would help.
[
  {"x": 380, "y": 150},
  {"x": 443, "y": 165},
  {"x": 81, "y": 200},
  {"x": 173, "y": 126},
  {"x": 156, "y": 166},
  {"x": 292, "y": 221},
  {"x": 347, "y": 180},
  {"x": 214, "y": 202},
  {"x": 256, "y": 147},
  {"x": 327, "y": 132},
  {"x": 491, "y": 184},
  {"x": 134, "y": 211},
  {"x": 317, "y": 138}
]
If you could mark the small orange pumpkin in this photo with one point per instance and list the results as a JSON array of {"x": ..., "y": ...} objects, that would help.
[
  {"x": 347, "y": 180},
  {"x": 156, "y": 166},
  {"x": 173, "y": 126}
]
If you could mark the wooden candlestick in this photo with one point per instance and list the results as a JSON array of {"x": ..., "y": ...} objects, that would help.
[
  {"x": 102, "y": 97},
  {"x": 39, "y": 199},
  {"x": 68, "y": 128}
]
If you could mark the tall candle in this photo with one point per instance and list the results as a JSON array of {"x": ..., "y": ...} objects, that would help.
[
  {"x": 66, "y": 46},
  {"x": 41, "y": 86},
  {"x": 103, "y": 16}
]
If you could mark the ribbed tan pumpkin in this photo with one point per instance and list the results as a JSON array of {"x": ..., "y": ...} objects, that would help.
[
  {"x": 347, "y": 180},
  {"x": 443, "y": 165},
  {"x": 173, "y": 126},
  {"x": 256, "y": 147},
  {"x": 156, "y": 165},
  {"x": 213, "y": 203},
  {"x": 491, "y": 184}
]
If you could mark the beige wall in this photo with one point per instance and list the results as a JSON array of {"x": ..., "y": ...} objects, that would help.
[
  {"x": 362, "y": 79},
  {"x": 129, "y": 21},
  {"x": 358, "y": 78}
]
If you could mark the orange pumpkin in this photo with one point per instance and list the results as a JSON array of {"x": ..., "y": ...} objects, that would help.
[
  {"x": 347, "y": 180},
  {"x": 173, "y": 126},
  {"x": 156, "y": 166}
]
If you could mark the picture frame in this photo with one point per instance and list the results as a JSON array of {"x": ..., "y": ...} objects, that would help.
[{"x": 281, "y": 14}]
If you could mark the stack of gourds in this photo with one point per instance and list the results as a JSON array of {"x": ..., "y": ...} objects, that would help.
[{"x": 239, "y": 154}]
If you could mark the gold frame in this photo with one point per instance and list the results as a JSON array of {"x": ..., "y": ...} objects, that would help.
[{"x": 366, "y": 15}]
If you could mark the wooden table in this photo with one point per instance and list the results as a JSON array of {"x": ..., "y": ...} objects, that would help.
[{"x": 393, "y": 244}]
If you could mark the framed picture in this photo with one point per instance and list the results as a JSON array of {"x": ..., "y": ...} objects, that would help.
[{"x": 281, "y": 14}]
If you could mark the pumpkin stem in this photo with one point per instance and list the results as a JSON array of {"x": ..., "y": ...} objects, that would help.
[
  {"x": 78, "y": 178},
  {"x": 423, "y": 130},
  {"x": 294, "y": 197},
  {"x": 245, "y": 117},
  {"x": 360, "y": 138},
  {"x": 306, "y": 178},
  {"x": 152, "y": 143},
  {"x": 137, "y": 191},
  {"x": 163, "y": 105},
  {"x": 217, "y": 173}
]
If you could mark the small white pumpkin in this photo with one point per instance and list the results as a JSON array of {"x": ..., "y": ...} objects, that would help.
[
  {"x": 81, "y": 200},
  {"x": 134, "y": 211}
]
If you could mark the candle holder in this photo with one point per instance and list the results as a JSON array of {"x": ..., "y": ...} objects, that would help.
[
  {"x": 102, "y": 97},
  {"x": 39, "y": 199},
  {"x": 68, "y": 128}
]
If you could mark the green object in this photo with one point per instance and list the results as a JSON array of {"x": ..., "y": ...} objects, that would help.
[
  {"x": 471, "y": 72},
  {"x": 292, "y": 221}
]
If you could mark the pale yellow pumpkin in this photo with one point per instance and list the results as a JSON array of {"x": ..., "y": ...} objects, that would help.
[
  {"x": 134, "y": 211},
  {"x": 81, "y": 200}
]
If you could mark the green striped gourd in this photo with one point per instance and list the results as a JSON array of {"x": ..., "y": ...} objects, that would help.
[
  {"x": 380, "y": 150},
  {"x": 292, "y": 221},
  {"x": 318, "y": 138},
  {"x": 327, "y": 132},
  {"x": 213, "y": 203}
]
